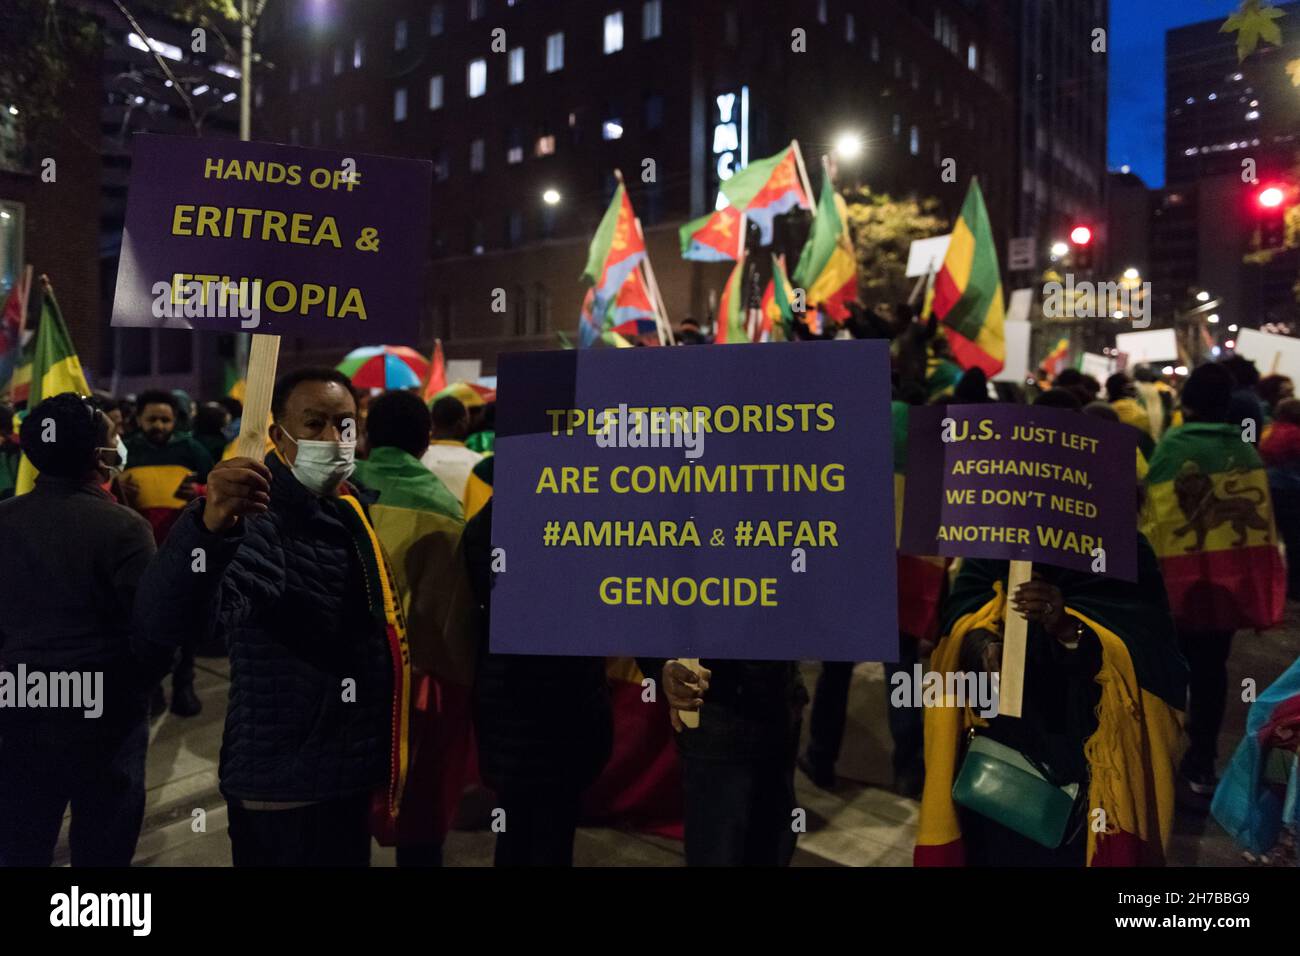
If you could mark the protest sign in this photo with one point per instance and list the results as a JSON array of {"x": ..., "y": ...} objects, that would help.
[
  {"x": 1022, "y": 483},
  {"x": 232, "y": 236},
  {"x": 1153, "y": 345},
  {"x": 715, "y": 503},
  {"x": 1272, "y": 354}
]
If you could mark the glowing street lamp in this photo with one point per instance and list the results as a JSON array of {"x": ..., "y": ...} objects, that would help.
[
  {"x": 1132, "y": 274},
  {"x": 1059, "y": 248},
  {"x": 1202, "y": 296},
  {"x": 848, "y": 146},
  {"x": 551, "y": 197}
]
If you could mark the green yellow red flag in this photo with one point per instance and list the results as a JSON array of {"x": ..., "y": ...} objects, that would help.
[{"x": 968, "y": 289}]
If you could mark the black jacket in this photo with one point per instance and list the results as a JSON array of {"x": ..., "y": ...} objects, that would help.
[
  {"x": 541, "y": 721},
  {"x": 70, "y": 561},
  {"x": 286, "y": 591}
]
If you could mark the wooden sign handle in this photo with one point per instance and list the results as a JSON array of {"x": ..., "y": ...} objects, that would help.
[
  {"x": 259, "y": 383},
  {"x": 690, "y": 718},
  {"x": 1011, "y": 685}
]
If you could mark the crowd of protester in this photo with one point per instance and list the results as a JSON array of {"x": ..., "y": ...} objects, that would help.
[{"x": 361, "y": 541}]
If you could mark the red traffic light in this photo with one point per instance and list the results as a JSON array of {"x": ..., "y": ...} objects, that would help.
[
  {"x": 1271, "y": 197},
  {"x": 1081, "y": 235}
]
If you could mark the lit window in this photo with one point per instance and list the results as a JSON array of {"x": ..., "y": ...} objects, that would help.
[
  {"x": 476, "y": 152},
  {"x": 515, "y": 66},
  {"x": 399, "y": 104},
  {"x": 554, "y": 52},
  {"x": 477, "y": 78},
  {"x": 399, "y": 35},
  {"x": 437, "y": 19},
  {"x": 477, "y": 8},
  {"x": 1253, "y": 115},
  {"x": 850, "y": 28},
  {"x": 358, "y": 52},
  {"x": 654, "y": 111},
  {"x": 545, "y": 146},
  {"x": 515, "y": 154},
  {"x": 611, "y": 129},
  {"x": 972, "y": 57},
  {"x": 338, "y": 60},
  {"x": 915, "y": 143},
  {"x": 435, "y": 92},
  {"x": 1214, "y": 96},
  {"x": 613, "y": 31},
  {"x": 441, "y": 166},
  {"x": 652, "y": 13}
]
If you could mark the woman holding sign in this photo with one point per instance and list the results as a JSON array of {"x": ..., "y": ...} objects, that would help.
[{"x": 1086, "y": 775}]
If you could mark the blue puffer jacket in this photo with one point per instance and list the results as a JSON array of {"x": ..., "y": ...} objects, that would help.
[{"x": 285, "y": 590}]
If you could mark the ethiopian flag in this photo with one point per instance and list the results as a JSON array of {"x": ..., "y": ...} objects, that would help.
[
  {"x": 968, "y": 289},
  {"x": 1057, "y": 358},
  {"x": 828, "y": 268},
  {"x": 1210, "y": 519},
  {"x": 778, "y": 312},
  {"x": 920, "y": 578},
  {"x": 712, "y": 238},
  {"x": 55, "y": 369},
  {"x": 615, "y": 251},
  {"x": 729, "y": 327},
  {"x": 765, "y": 189}
]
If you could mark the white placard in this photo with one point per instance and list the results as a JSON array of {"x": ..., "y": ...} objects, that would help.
[
  {"x": 1153, "y": 345},
  {"x": 926, "y": 255},
  {"x": 1016, "y": 338},
  {"x": 1099, "y": 367},
  {"x": 464, "y": 370},
  {"x": 1272, "y": 354},
  {"x": 1018, "y": 308}
]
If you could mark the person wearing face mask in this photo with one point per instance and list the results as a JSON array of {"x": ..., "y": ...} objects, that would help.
[
  {"x": 81, "y": 556},
  {"x": 294, "y": 580}
]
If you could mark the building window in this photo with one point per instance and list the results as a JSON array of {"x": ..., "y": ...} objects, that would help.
[
  {"x": 477, "y": 9},
  {"x": 338, "y": 124},
  {"x": 611, "y": 128},
  {"x": 315, "y": 71},
  {"x": 435, "y": 92},
  {"x": 361, "y": 117},
  {"x": 358, "y": 52},
  {"x": 875, "y": 48},
  {"x": 613, "y": 32},
  {"x": 915, "y": 142},
  {"x": 654, "y": 111},
  {"x": 315, "y": 132},
  {"x": 898, "y": 126},
  {"x": 477, "y": 78},
  {"x": 515, "y": 235},
  {"x": 338, "y": 60},
  {"x": 441, "y": 166},
  {"x": 554, "y": 52},
  {"x": 437, "y": 19},
  {"x": 399, "y": 104},
  {"x": 514, "y": 147},
  {"x": 476, "y": 153},
  {"x": 850, "y": 28},
  {"x": 515, "y": 66},
  {"x": 399, "y": 35},
  {"x": 972, "y": 57},
  {"x": 293, "y": 80},
  {"x": 652, "y": 12},
  {"x": 545, "y": 145}
]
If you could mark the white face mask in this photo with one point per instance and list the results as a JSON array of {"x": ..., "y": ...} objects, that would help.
[
  {"x": 321, "y": 466},
  {"x": 117, "y": 469}
]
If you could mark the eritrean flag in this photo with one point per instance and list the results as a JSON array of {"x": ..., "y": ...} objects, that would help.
[
  {"x": 920, "y": 578},
  {"x": 828, "y": 268},
  {"x": 1132, "y": 755},
  {"x": 712, "y": 238},
  {"x": 436, "y": 379},
  {"x": 632, "y": 313},
  {"x": 968, "y": 289},
  {"x": 729, "y": 327},
  {"x": 1210, "y": 519},
  {"x": 765, "y": 189},
  {"x": 11, "y": 329},
  {"x": 615, "y": 251},
  {"x": 55, "y": 369}
]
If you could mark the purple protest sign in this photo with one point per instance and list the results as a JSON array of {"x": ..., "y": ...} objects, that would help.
[
  {"x": 1022, "y": 483},
  {"x": 732, "y": 502},
  {"x": 229, "y": 236}
]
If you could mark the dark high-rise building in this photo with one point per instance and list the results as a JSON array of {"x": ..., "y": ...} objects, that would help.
[
  {"x": 517, "y": 100},
  {"x": 1061, "y": 136}
]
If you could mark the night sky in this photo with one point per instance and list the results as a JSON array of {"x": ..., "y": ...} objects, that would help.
[{"x": 1137, "y": 77}]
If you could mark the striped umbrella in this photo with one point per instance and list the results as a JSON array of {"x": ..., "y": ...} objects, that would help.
[
  {"x": 470, "y": 394},
  {"x": 385, "y": 366}
]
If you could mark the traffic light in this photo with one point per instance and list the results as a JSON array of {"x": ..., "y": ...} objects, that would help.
[
  {"x": 1081, "y": 239},
  {"x": 1272, "y": 217}
]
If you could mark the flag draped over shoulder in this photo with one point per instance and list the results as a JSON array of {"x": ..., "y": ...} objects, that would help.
[
  {"x": 1132, "y": 754},
  {"x": 920, "y": 578},
  {"x": 968, "y": 289},
  {"x": 55, "y": 369},
  {"x": 765, "y": 189},
  {"x": 712, "y": 238},
  {"x": 1209, "y": 517},
  {"x": 615, "y": 251},
  {"x": 828, "y": 269}
]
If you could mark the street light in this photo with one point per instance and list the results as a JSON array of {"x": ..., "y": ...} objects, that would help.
[
  {"x": 1081, "y": 235},
  {"x": 1271, "y": 197},
  {"x": 1132, "y": 274},
  {"x": 1232, "y": 328},
  {"x": 1213, "y": 319},
  {"x": 1202, "y": 296},
  {"x": 1059, "y": 248},
  {"x": 848, "y": 146},
  {"x": 551, "y": 197}
]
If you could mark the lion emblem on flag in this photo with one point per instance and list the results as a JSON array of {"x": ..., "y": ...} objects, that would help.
[{"x": 1205, "y": 510}]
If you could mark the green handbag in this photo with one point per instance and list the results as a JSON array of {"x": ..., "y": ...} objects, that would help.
[{"x": 1001, "y": 784}]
